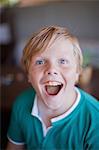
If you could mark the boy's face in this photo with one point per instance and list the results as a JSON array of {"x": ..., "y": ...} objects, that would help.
[{"x": 53, "y": 74}]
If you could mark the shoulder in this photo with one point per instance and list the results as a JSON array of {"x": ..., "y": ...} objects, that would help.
[
  {"x": 28, "y": 93},
  {"x": 24, "y": 100},
  {"x": 89, "y": 101},
  {"x": 89, "y": 113}
]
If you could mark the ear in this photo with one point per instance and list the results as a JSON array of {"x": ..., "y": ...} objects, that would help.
[
  {"x": 29, "y": 79},
  {"x": 77, "y": 77}
]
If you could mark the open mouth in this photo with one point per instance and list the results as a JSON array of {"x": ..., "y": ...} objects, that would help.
[{"x": 53, "y": 88}]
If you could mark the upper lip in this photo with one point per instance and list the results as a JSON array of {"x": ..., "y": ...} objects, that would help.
[{"x": 53, "y": 83}]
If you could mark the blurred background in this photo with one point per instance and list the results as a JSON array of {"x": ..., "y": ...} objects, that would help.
[{"x": 19, "y": 19}]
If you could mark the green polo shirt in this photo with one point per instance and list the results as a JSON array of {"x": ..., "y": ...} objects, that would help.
[{"x": 77, "y": 131}]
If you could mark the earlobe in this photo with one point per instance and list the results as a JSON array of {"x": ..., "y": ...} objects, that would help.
[
  {"x": 77, "y": 78},
  {"x": 29, "y": 79}
]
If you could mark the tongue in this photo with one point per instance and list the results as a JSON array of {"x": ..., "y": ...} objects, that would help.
[{"x": 53, "y": 90}]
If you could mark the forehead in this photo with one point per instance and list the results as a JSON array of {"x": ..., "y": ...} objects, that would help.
[{"x": 60, "y": 46}]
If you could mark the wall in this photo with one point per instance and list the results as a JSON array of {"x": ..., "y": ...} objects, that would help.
[{"x": 82, "y": 18}]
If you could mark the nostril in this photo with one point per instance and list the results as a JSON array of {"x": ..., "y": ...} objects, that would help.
[
  {"x": 49, "y": 73},
  {"x": 55, "y": 73}
]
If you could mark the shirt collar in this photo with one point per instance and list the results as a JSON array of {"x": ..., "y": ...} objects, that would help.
[
  {"x": 35, "y": 112},
  {"x": 35, "y": 108}
]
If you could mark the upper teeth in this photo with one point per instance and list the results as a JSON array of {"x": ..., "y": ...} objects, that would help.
[{"x": 53, "y": 83}]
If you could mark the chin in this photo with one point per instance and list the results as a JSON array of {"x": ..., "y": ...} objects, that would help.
[{"x": 52, "y": 102}]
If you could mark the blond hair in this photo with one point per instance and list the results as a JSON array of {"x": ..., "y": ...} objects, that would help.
[{"x": 40, "y": 40}]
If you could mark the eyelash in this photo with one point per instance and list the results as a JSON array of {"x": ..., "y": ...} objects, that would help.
[
  {"x": 60, "y": 61},
  {"x": 40, "y": 62},
  {"x": 63, "y": 61}
]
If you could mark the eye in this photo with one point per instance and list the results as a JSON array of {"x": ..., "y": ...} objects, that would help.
[
  {"x": 63, "y": 61},
  {"x": 40, "y": 62}
]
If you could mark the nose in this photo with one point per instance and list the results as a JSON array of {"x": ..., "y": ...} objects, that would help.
[
  {"x": 51, "y": 70},
  {"x": 50, "y": 73}
]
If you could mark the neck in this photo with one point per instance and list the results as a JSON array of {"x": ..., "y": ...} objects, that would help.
[{"x": 47, "y": 114}]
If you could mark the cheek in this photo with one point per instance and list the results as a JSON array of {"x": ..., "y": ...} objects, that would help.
[
  {"x": 32, "y": 78},
  {"x": 70, "y": 75}
]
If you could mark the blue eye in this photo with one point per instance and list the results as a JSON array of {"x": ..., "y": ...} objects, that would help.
[
  {"x": 63, "y": 61},
  {"x": 39, "y": 62}
]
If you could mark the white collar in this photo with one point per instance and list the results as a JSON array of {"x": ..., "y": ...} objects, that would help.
[{"x": 36, "y": 114}]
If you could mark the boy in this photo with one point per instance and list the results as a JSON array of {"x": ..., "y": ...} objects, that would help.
[{"x": 54, "y": 114}]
